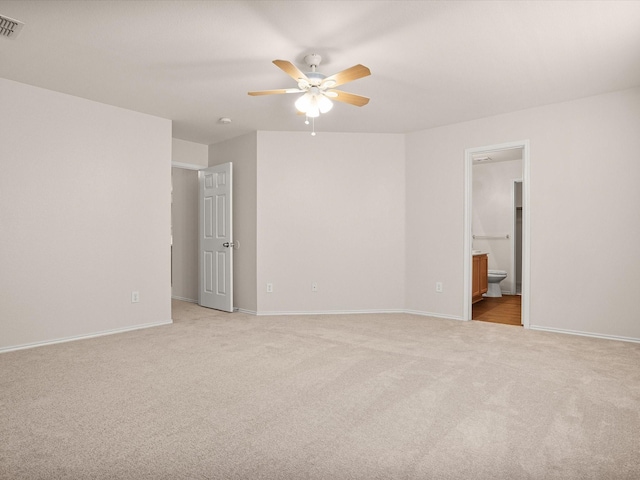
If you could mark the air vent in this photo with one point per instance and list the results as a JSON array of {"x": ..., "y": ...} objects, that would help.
[{"x": 9, "y": 28}]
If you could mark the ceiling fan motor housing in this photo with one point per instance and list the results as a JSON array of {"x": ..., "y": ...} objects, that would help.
[
  {"x": 313, "y": 60},
  {"x": 315, "y": 78}
]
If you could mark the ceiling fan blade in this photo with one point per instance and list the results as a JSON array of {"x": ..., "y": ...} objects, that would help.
[
  {"x": 350, "y": 98},
  {"x": 290, "y": 69},
  {"x": 275, "y": 92},
  {"x": 348, "y": 75}
]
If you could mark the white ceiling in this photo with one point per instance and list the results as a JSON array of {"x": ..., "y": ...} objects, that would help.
[{"x": 433, "y": 62}]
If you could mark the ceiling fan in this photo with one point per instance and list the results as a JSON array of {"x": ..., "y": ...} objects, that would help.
[{"x": 318, "y": 89}]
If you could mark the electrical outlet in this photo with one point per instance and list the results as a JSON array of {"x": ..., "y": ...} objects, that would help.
[
  {"x": 314, "y": 287},
  {"x": 269, "y": 287},
  {"x": 135, "y": 297},
  {"x": 439, "y": 287}
]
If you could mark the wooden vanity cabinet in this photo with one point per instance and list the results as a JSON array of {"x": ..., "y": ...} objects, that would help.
[{"x": 480, "y": 277}]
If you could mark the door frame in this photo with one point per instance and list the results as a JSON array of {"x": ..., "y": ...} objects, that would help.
[
  {"x": 514, "y": 236},
  {"x": 526, "y": 224}
]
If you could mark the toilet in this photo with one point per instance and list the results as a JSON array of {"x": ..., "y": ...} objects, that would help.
[{"x": 495, "y": 277}]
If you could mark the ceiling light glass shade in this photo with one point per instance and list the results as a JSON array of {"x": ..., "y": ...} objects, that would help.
[
  {"x": 324, "y": 104},
  {"x": 313, "y": 103},
  {"x": 304, "y": 102},
  {"x": 308, "y": 104},
  {"x": 313, "y": 111}
]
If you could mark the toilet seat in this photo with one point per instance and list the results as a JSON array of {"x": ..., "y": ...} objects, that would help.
[{"x": 497, "y": 272}]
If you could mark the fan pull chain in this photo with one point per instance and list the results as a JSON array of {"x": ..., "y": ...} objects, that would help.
[{"x": 313, "y": 124}]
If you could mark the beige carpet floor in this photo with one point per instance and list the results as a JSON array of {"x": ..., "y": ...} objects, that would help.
[{"x": 233, "y": 396}]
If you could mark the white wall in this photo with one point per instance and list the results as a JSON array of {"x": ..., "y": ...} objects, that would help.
[
  {"x": 189, "y": 153},
  {"x": 184, "y": 229},
  {"x": 242, "y": 151},
  {"x": 493, "y": 214},
  {"x": 585, "y": 226},
  {"x": 376, "y": 220},
  {"x": 186, "y": 158},
  {"x": 331, "y": 211},
  {"x": 84, "y": 217}
]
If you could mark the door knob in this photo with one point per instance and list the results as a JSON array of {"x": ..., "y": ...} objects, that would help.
[{"x": 227, "y": 244}]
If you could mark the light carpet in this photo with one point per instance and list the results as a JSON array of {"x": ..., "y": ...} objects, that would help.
[{"x": 398, "y": 396}]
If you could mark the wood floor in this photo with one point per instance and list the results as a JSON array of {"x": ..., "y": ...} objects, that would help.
[{"x": 505, "y": 309}]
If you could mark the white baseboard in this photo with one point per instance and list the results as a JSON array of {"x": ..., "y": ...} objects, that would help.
[
  {"x": 243, "y": 310},
  {"x": 435, "y": 315},
  {"x": 585, "y": 334},
  {"x": 190, "y": 300},
  {"x": 322, "y": 312},
  {"x": 326, "y": 312},
  {"x": 83, "y": 337},
  {"x": 351, "y": 312}
]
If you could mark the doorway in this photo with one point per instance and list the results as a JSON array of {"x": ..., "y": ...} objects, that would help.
[
  {"x": 506, "y": 310},
  {"x": 491, "y": 227}
]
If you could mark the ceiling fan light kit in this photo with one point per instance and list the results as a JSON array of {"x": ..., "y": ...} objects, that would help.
[
  {"x": 317, "y": 89},
  {"x": 313, "y": 103}
]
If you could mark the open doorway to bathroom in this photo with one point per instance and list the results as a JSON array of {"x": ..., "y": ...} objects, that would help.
[{"x": 496, "y": 243}]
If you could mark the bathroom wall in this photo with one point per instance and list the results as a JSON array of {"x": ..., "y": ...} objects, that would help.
[{"x": 493, "y": 214}]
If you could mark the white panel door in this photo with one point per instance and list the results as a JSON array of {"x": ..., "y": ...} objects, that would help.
[{"x": 215, "y": 284}]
